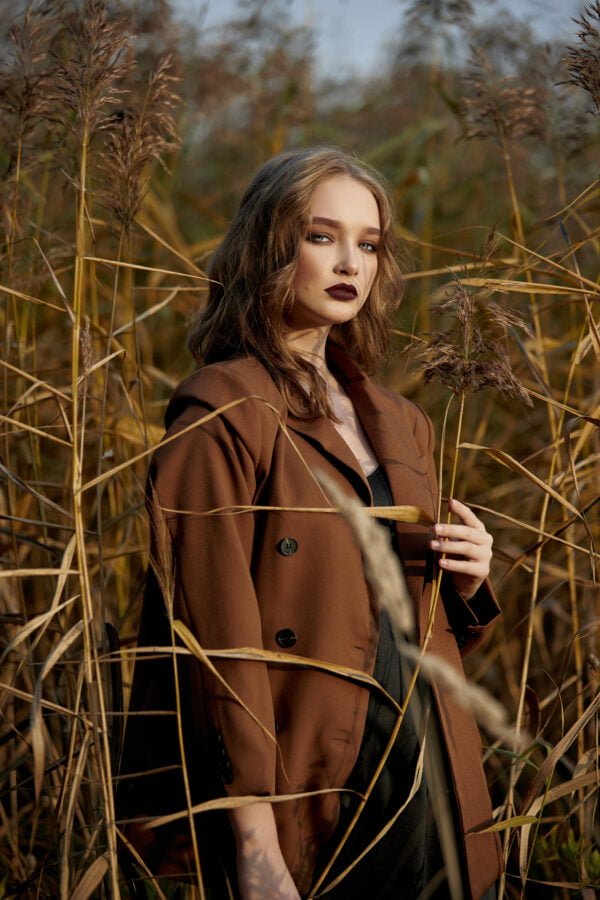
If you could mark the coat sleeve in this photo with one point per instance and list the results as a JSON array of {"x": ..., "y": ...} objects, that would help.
[
  {"x": 471, "y": 620},
  {"x": 214, "y": 465}
]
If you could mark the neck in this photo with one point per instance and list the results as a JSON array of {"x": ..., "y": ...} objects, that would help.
[{"x": 311, "y": 344}]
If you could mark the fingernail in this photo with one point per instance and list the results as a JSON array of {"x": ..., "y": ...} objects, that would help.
[
  {"x": 439, "y": 529},
  {"x": 435, "y": 544}
]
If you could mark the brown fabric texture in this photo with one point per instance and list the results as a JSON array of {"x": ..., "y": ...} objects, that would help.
[{"x": 289, "y": 582}]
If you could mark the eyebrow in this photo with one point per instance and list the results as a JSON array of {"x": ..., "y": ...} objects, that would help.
[{"x": 333, "y": 223}]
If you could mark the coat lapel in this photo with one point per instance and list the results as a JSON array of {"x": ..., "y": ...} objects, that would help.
[
  {"x": 390, "y": 430},
  {"x": 325, "y": 437}
]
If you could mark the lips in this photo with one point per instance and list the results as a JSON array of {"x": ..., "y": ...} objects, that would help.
[{"x": 342, "y": 291}]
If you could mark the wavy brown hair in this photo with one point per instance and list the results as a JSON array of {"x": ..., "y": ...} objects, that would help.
[{"x": 253, "y": 273}]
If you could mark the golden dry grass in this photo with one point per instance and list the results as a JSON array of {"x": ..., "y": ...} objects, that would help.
[{"x": 102, "y": 260}]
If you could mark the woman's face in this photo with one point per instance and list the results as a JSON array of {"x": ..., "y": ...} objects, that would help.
[{"x": 337, "y": 263}]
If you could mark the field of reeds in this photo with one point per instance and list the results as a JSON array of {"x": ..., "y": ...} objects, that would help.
[{"x": 126, "y": 139}]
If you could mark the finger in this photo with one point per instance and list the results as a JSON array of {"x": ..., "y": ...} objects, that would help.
[
  {"x": 464, "y": 567},
  {"x": 462, "y": 532},
  {"x": 463, "y": 548},
  {"x": 465, "y": 513}
]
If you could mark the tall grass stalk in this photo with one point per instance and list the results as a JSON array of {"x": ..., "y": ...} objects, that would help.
[{"x": 105, "y": 237}]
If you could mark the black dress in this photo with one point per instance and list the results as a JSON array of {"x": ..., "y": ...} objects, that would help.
[{"x": 408, "y": 858}]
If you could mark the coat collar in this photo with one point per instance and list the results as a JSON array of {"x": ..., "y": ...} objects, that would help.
[{"x": 382, "y": 418}]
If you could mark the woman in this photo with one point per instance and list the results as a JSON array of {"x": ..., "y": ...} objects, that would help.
[{"x": 301, "y": 293}]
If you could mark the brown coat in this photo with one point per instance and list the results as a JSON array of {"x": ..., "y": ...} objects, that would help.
[{"x": 239, "y": 582}]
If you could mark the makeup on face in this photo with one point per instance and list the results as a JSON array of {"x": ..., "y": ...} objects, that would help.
[{"x": 337, "y": 261}]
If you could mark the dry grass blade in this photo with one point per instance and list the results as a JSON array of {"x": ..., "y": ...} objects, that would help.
[
  {"x": 184, "y": 257},
  {"x": 235, "y": 803},
  {"x": 91, "y": 879},
  {"x": 142, "y": 865},
  {"x": 306, "y": 662},
  {"x": 36, "y": 382},
  {"x": 507, "y": 460},
  {"x": 25, "y": 573},
  {"x": 9, "y": 689},
  {"x": 183, "y": 632},
  {"x": 547, "y": 768},
  {"x": 505, "y": 824},
  {"x": 570, "y": 409},
  {"x": 130, "y": 462},
  {"x": 92, "y": 367},
  {"x": 33, "y": 625},
  {"x": 19, "y": 295},
  {"x": 127, "y": 326},
  {"x": 54, "y": 278},
  {"x": 12, "y": 476},
  {"x": 37, "y": 734},
  {"x": 127, "y": 265},
  {"x": 416, "y": 783},
  {"x": 555, "y": 793},
  {"x": 519, "y": 523},
  {"x": 408, "y": 514},
  {"x": 276, "y": 658},
  {"x": 523, "y": 287},
  {"x": 23, "y": 426}
]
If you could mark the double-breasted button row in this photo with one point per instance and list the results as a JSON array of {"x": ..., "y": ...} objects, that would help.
[{"x": 287, "y": 546}]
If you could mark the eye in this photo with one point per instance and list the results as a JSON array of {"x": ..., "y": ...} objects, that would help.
[
  {"x": 317, "y": 237},
  {"x": 369, "y": 246}
]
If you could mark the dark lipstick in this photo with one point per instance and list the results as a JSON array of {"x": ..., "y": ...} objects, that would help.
[{"x": 342, "y": 291}]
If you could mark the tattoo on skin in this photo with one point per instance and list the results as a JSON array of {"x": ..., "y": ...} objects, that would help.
[{"x": 262, "y": 878}]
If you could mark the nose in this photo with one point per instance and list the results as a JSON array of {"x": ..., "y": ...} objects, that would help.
[{"x": 347, "y": 263}]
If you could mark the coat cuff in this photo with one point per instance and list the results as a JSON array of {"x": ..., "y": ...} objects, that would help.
[{"x": 472, "y": 619}]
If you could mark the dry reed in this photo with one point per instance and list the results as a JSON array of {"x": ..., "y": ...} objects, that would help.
[{"x": 91, "y": 350}]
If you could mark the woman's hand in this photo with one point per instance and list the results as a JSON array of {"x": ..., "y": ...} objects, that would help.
[
  {"x": 468, "y": 549},
  {"x": 261, "y": 869}
]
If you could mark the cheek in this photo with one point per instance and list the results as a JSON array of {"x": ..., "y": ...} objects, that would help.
[
  {"x": 372, "y": 271},
  {"x": 304, "y": 270}
]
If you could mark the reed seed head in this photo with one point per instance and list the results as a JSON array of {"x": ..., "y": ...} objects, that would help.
[
  {"x": 488, "y": 711},
  {"x": 470, "y": 355},
  {"x": 25, "y": 79},
  {"x": 583, "y": 61},
  {"x": 88, "y": 80},
  {"x": 136, "y": 138},
  {"x": 500, "y": 106}
]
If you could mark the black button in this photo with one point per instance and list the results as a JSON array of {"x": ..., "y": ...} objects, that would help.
[
  {"x": 287, "y": 546},
  {"x": 286, "y": 637}
]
